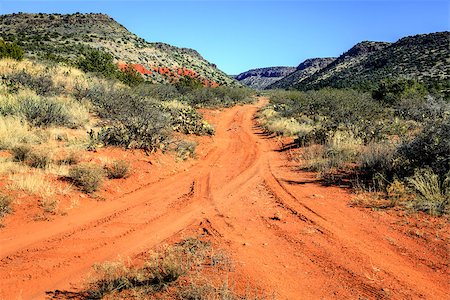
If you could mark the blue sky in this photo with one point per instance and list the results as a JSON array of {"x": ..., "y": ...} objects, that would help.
[{"x": 240, "y": 35}]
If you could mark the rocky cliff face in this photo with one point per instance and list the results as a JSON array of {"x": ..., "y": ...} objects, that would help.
[
  {"x": 304, "y": 70},
  {"x": 263, "y": 77}
]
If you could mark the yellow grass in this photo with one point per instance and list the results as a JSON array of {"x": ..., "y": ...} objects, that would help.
[
  {"x": 33, "y": 184},
  {"x": 14, "y": 131},
  {"x": 8, "y": 167}
]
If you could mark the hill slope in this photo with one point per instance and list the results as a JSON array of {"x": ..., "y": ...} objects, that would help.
[
  {"x": 423, "y": 57},
  {"x": 263, "y": 77},
  {"x": 64, "y": 37},
  {"x": 304, "y": 70}
]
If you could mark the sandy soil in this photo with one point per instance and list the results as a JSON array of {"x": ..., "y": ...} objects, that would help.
[{"x": 287, "y": 232}]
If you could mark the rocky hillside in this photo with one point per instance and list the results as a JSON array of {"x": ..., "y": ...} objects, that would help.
[
  {"x": 425, "y": 58},
  {"x": 304, "y": 70},
  {"x": 65, "y": 37},
  {"x": 261, "y": 78}
]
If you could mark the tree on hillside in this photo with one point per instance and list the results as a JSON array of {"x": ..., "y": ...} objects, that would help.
[
  {"x": 10, "y": 50},
  {"x": 99, "y": 62}
]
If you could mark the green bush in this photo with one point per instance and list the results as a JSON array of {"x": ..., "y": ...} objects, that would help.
[
  {"x": 97, "y": 61},
  {"x": 10, "y": 50},
  {"x": 147, "y": 131},
  {"x": 187, "y": 120},
  {"x": 221, "y": 96},
  {"x": 130, "y": 76},
  {"x": 188, "y": 84},
  {"x": 163, "y": 92},
  {"x": 429, "y": 149},
  {"x": 331, "y": 110},
  {"x": 87, "y": 177}
]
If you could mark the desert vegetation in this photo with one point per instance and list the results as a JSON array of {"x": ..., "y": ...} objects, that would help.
[
  {"x": 176, "y": 271},
  {"x": 52, "y": 113},
  {"x": 393, "y": 141}
]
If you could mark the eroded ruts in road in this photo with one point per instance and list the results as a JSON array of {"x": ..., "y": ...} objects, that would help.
[{"x": 314, "y": 250}]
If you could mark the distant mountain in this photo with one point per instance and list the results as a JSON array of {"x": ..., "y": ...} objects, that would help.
[
  {"x": 65, "y": 37},
  {"x": 304, "y": 70},
  {"x": 261, "y": 78},
  {"x": 424, "y": 57}
]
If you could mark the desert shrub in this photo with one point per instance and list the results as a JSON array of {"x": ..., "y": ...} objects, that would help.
[
  {"x": 391, "y": 91},
  {"x": 49, "y": 206},
  {"x": 49, "y": 111},
  {"x": 70, "y": 159},
  {"x": 397, "y": 193},
  {"x": 378, "y": 158},
  {"x": 163, "y": 92},
  {"x": 21, "y": 153},
  {"x": 148, "y": 131},
  {"x": 38, "y": 159},
  {"x": 10, "y": 50},
  {"x": 429, "y": 109},
  {"x": 432, "y": 192},
  {"x": 186, "y": 119},
  {"x": 186, "y": 149},
  {"x": 118, "y": 169},
  {"x": 97, "y": 61},
  {"x": 5, "y": 205},
  {"x": 429, "y": 149},
  {"x": 87, "y": 177},
  {"x": 221, "y": 96},
  {"x": 130, "y": 76},
  {"x": 329, "y": 110},
  {"x": 44, "y": 111},
  {"x": 159, "y": 270},
  {"x": 41, "y": 83},
  {"x": 138, "y": 121},
  {"x": 188, "y": 84}
]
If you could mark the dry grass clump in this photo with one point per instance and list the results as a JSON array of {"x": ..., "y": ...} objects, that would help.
[
  {"x": 5, "y": 205},
  {"x": 14, "y": 130},
  {"x": 172, "y": 272},
  {"x": 8, "y": 166},
  {"x": 161, "y": 269},
  {"x": 432, "y": 194},
  {"x": 70, "y": 159},
  {"x": 21, "y": 153},
  {"x": 88, "y": 177},
  {"x": 186, "y": 149},
  {"x": 118, "y": 169},
  {"x": 39, "y": 159},
  {"x": 49, "y": 205},
  {"x": 273, "y": 122},
  {"x": 339, "y": 153},
  {"x": 33, "y": 158},
  {"x": 34, "y": 184}
]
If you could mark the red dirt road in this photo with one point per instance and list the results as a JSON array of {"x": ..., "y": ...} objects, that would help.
[{"x": 317, "y": 247}]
